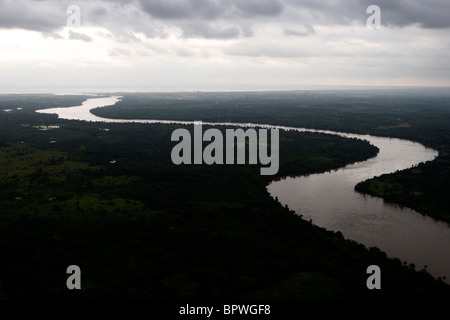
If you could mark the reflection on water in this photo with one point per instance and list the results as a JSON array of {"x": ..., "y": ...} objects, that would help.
[{"x": 329, "y": 199}]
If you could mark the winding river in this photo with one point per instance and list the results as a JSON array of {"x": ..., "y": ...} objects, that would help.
[{"x": 329, "y": 199}]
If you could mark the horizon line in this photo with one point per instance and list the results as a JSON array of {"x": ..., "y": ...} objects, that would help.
[{"x": 67, "y": 91}]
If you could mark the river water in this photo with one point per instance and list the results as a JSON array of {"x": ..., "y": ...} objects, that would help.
[{"x": 329, "y": 199}]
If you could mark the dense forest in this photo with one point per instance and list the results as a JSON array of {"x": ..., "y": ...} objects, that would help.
[
  {"x": 107, "y": 197},
  {"x": 421, "y": 115}
]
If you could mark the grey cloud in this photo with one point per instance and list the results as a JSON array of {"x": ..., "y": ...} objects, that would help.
[
  {"x": 121, "y": 18},
  {"x": 99, "y": 11},
  {"x": 204, "y": 30},
  {"x": 150, "y": 17},
  {"x": 218, "y": 19},
  {"x": 79, "y": 36},
  {"x": 305, "y": 31},
  {"x": 247, "y": 30},
  {"x": 211, "y": 9},
  {"x": 400, "y": 13},
  {"x": 252, "y": 8},
  {"x": 194, "y": 17},
  {"x": 167, "y": 9},
  {"x": 183, "y": 9},
  {"x": 430, "y": 14},
  {"x": 32, "y": 15}
]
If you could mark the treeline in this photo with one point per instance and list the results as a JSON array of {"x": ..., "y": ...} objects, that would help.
[{"x": 424, "y": 188}]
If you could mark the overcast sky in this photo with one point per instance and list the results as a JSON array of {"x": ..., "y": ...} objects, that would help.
[{"x": 221, "y": 44}]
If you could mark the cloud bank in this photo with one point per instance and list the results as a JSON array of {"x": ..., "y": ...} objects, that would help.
[{"x": 254, "y": 41}]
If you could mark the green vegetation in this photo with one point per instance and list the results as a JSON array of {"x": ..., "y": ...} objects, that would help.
[
  {"x": 421, "y": 115},
  {"x": 424, "y": 188},
  {"x": 141, "y": 227}
]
